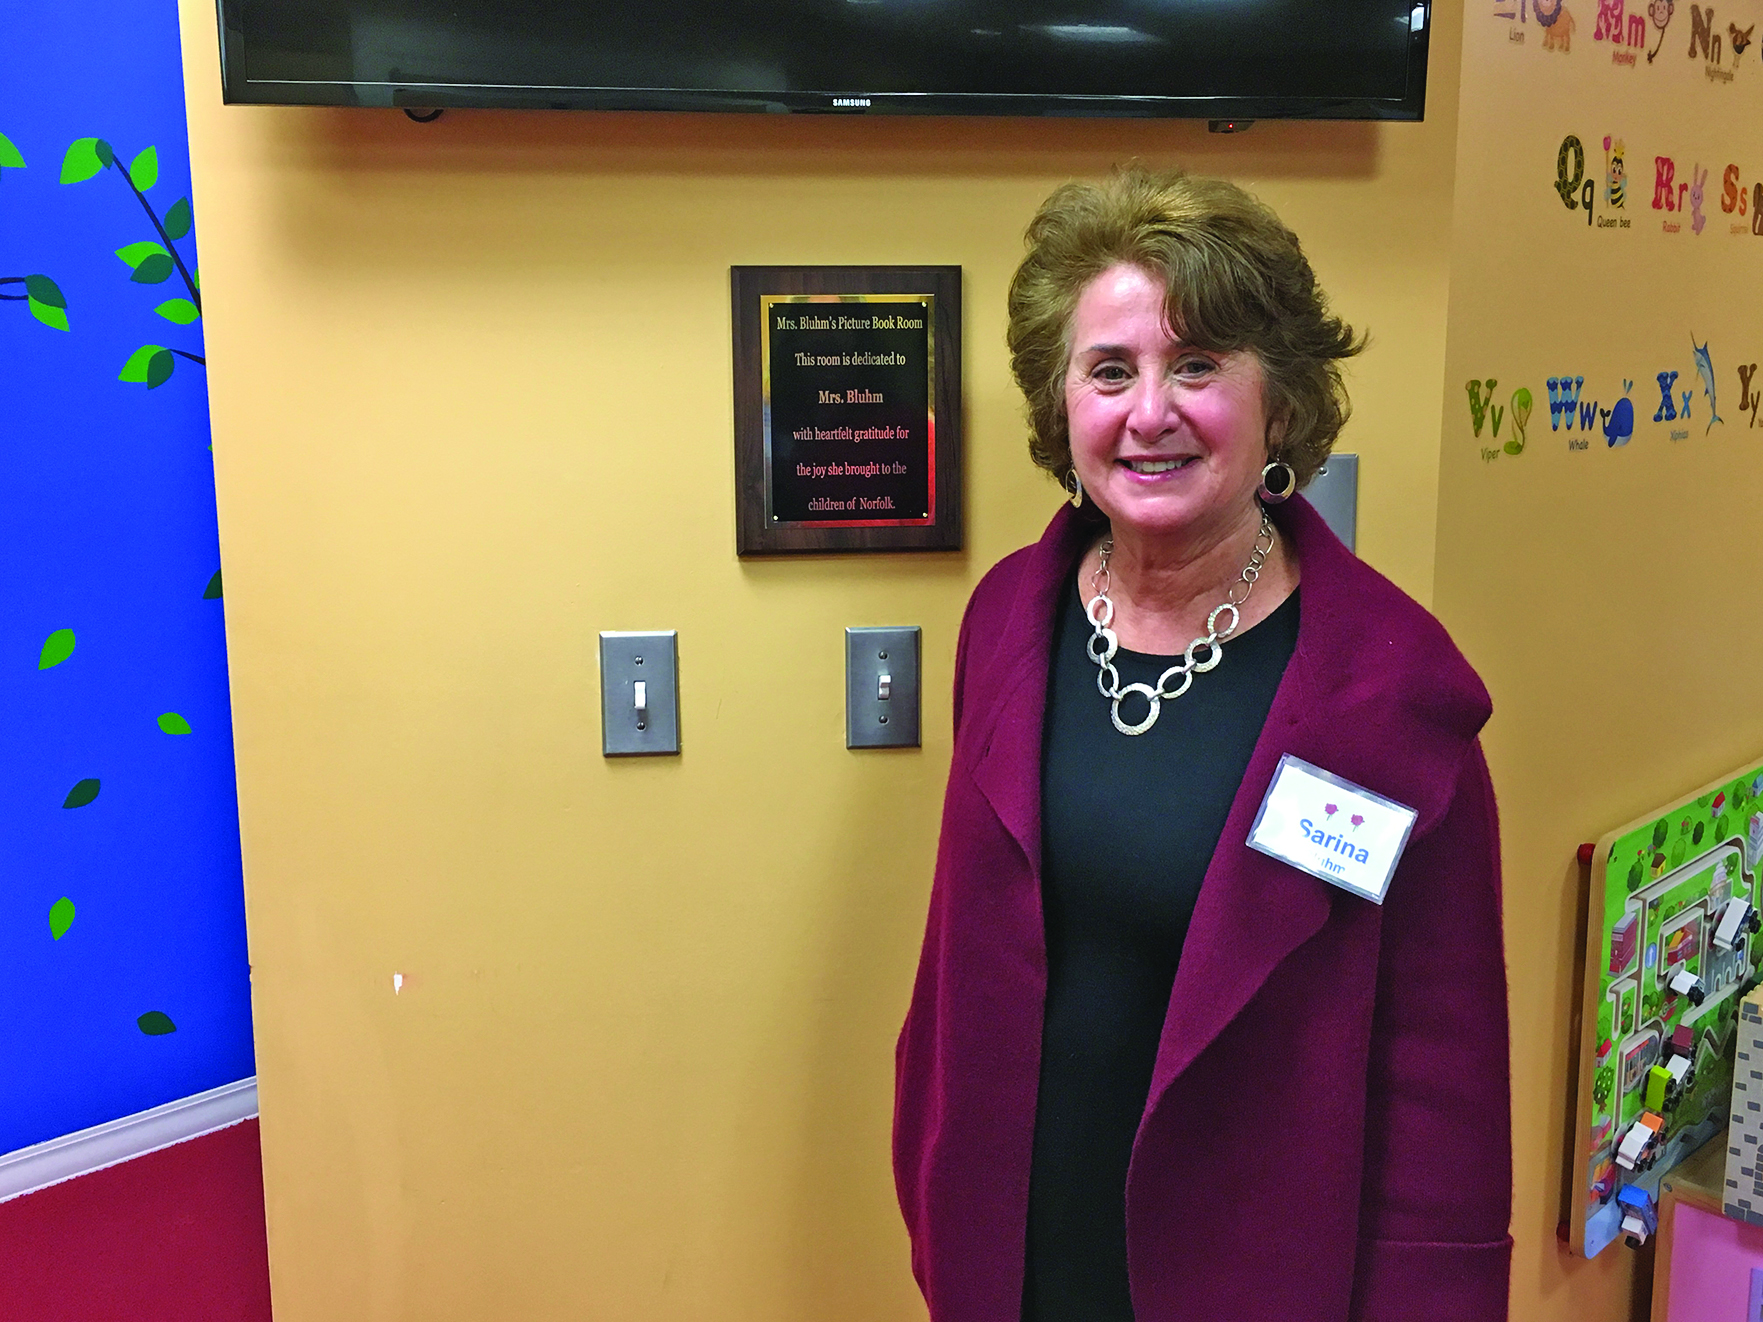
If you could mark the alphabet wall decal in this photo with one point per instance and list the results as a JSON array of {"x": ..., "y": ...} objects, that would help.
[
  {"x": 1664, "y": 184},
  {"x": 1667, "y": 411},
  {"x": 1702, "y": 34},
  {"x": 1748, "y": 398},
  {"x": 1561, "y": 403},
  {"x": 1570, "y": 181},
  {"x": 1478, "y": 404}
]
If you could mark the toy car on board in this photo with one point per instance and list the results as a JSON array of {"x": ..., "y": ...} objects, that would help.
[
  {"x": 1667, "y": 1083},
  {"x": 1738, "y": 919},
  {"x": 1689, "y": 986},
  {"x": 1642, "y": 1143},
  {"x": 1682, "y": 1042},
  {"x": 1639, "y": 1217}
]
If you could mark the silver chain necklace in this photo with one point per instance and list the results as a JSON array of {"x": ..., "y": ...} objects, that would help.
[{"x": 1108, "y": 681}]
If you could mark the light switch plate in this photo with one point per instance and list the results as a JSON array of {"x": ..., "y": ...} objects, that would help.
[
  {"x": 1334, "y": 491},
  {"x": 877, "y": 662},
  {"x": 627, "y": 660}
]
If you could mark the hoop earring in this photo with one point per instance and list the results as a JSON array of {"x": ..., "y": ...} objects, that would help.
[
  {"x": 1074, "y": 488},
  {"x": 1285, "y": 476}
]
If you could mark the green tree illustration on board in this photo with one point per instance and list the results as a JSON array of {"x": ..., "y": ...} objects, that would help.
[
  {"x": 150, "y": 262},
  {"x": 41, "y": 294}
]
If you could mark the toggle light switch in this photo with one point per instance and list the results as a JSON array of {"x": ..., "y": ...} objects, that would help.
[
  {"x": 639, "y": 693},
  {"x": 881, "y": 688}
]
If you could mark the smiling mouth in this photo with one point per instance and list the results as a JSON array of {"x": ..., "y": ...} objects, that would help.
[{"x": 1150, "y": 467}]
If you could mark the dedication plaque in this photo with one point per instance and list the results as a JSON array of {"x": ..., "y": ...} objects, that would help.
[{"x": 847, "y": 397}]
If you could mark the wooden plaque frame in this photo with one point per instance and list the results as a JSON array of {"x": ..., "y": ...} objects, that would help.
[{"x": 757, "y": 532}]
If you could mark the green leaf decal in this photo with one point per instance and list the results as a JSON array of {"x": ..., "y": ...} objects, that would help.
[
  {"x": 82, "y": 161},
  {"x": 49, "y": 316},
  {"x": 177, "y": 220},
  {"x": 44, "y": 290},
  {"x": 136, "y": 253},
  {"x": 178, "y": 311},
  {"x": 57, "y": 647},
  {"x": 135, "y": 370},
  {"x": 46, "y": 301},
  {"x": 172, "y": 723},
  {"x": 81, "y": 794},
  {"x": 105, "y": 154},
  {"x": 212, "y": 591},
  {"x": 159, "y": 368},
  {"x": 144, "y": 169},
  {"x": 60, "y": 917},
  {"x": 156, "y": 1023},
  {"x": 154, "y": 270},
  {"x": 9, "y": 155}
]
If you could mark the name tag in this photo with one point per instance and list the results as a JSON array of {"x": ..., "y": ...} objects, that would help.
[{"x": 1332, "y": 828}]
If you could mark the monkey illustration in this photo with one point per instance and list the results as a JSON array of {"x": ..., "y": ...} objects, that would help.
[
  {"x": 1615, "y": 175},
  {"x": 1697, "y": 192},
  {"x": 1740, "y": 40},
  {"x": 1660, "y": 12}
]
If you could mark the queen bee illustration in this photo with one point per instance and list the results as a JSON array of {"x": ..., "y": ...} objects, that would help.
[{"x": 1615, "y": 174}]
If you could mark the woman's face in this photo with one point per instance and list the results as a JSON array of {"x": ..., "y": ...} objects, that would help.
[{"x": 1168, "y": 440}]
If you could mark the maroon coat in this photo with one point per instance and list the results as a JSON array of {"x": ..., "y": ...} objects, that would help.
[{"x": 1328, "y": 1133}]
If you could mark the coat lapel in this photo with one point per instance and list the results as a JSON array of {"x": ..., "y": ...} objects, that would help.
[
  {"x": 1254, "y": 911},
  {"x": 1008, "y": 728}
]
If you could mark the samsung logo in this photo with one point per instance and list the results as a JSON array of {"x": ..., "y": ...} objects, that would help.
[{"x": 851, "y": 102}]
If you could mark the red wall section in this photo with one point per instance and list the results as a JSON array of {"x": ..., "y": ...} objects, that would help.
[{"x": 175, "y": 1236}]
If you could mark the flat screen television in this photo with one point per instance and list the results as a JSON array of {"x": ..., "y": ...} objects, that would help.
[{"x": 1205, "y": 59}]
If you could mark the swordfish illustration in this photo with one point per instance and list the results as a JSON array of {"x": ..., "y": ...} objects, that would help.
[{"x": 1705, "y": 370}]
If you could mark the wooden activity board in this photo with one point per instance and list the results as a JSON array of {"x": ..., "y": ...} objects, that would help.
[{"x": 1659, "y": 887}]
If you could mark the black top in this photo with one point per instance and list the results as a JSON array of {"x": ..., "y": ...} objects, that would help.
[{"x": 1128, "y": 827}]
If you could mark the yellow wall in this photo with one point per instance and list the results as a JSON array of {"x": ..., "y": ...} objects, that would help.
[
  {"x": 471, "y": 395},
  {"x": 1604, "y": 594}
]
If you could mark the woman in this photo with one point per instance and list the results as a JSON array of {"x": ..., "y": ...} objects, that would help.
[{"x": 1149, "y": 1072}]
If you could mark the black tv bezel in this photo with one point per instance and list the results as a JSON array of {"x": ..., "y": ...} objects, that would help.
[{"x": 237, "y": 90}]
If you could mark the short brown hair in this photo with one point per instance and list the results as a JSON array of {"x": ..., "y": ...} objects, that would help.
[{"x": 1236, "y": 278}]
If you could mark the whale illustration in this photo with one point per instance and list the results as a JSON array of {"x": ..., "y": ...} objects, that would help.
[{"x": 1619, "y": 422}]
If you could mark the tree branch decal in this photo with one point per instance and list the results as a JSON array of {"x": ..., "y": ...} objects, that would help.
[
  {"x": 150, "y": 262},
  {"x": 41, "y": 294}
]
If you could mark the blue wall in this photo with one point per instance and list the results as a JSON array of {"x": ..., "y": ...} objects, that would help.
[{"x": 107, "y": 529}]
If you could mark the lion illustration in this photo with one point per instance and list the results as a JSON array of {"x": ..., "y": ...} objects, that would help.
[{"x": 1558, "y": 22}]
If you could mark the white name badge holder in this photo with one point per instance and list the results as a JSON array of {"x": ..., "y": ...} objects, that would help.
[{"x": 1332, "y": 828}]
